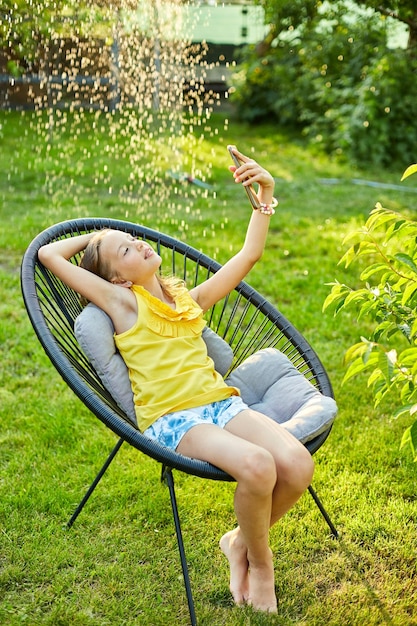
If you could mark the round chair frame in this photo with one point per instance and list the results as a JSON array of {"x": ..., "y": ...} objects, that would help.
[{"x": 245, "y": 319}]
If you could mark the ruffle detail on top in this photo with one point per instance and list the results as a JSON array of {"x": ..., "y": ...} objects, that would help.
[{"x": 185, "y": 319}]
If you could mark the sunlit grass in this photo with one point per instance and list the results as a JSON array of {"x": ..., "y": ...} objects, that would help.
[{"x": 119, "y": 564}]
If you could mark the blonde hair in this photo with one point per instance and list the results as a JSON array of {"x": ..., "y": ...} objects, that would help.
[{"x": 93, "y": 261}]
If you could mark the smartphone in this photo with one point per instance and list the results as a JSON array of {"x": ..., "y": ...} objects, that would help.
[{"x": 253, "y": 198}]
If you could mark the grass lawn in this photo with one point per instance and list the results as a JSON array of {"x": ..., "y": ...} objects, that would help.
[{"x": 119, "y": 565}]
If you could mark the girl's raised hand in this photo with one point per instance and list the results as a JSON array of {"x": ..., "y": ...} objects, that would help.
[{"x": 249, "y": 172}]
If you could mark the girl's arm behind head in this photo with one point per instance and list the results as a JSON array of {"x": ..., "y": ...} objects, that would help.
[{"x": 56, "y": 257}]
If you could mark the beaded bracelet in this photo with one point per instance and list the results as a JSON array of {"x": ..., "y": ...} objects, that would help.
[{"x": 268, "y": 209}]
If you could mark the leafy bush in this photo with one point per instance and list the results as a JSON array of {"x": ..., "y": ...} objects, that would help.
[
  {"x": 267, "y": 85},
  {"x": 388, "y": 297},
  {"x": 382, "y": 121},
  {"x": 339, "y": 83}
]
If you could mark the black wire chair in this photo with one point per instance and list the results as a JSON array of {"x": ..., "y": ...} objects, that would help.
[{"x": 245, "y": 319}]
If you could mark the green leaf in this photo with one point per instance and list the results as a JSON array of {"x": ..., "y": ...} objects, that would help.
[
  {"x": 386, "y": 363},
  {"x": 407, "y": 391},
  {"x": 379, "y": 217},
  {"x": 373, "y": 269},
  {"x": 354, "y": 369},
  {"x": 370, "y": 357},
  {"x": 412, "y": 169},
  {"x": 362, "y": 350},
  {"x": 349, "y": 255},
  {"x": 362, "y": 248},
  {"x": 374, "y": 377},
  {"x": 356, "y": 296},
  {"x": 366, "y": 248},
  {"x": 409, "y": 291},
  {"x": 337, "y": 294},
  {"x": 380, "y": 390},
  {"x": 413, "y": 369},
  {"x": 382, "y": 328},
  {"x": 397, "y": 286},
  {"x": 352, "y": 238},
  {"x": 368, "y": 308},
  {"x": 402, "y": 410},
  {"x": 406, "y": 260},
  {"x": 395, "y": 228},
  {"x": 365, "y": 361},
  {"x": 410, "y": 438},
  {"x": 408, "y": 357}
]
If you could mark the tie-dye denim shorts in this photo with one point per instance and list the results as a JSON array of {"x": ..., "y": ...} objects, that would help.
[{"x": 169, "y": 429}]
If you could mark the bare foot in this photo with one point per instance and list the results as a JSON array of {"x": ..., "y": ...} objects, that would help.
[
  {"x": 262, "y": 587},
  {"x": 235, "y": 551}
]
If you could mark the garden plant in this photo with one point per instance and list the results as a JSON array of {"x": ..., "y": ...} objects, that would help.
[
  {"x": 388, "y": 296},
  {"x": 335, "y": 74}
]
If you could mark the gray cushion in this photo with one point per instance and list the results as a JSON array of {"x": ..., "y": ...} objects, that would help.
[
  {"x": 271, "y": 384},
  {"x": 94, "y": 330},
  {"x": 268, "y": 381}
]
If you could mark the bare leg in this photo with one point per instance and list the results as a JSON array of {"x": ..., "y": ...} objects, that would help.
[
  {"x": 265, "y": 461},
  {"x": 294, "y": 467},
  {"x": 236, "y": 552},
  {"x": 253, "y": 533}
]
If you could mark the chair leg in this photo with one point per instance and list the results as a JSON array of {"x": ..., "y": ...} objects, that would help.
[
  {"x": 168, "y": 478},
  {"x": 95, "y": 482},
  {"x": 323, "y": 512}
]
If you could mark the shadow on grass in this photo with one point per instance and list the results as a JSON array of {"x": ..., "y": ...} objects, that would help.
[{"x": 357, "y": 568}]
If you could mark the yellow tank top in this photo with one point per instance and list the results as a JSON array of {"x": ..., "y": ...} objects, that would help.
[{"x": 167, "y": 358}]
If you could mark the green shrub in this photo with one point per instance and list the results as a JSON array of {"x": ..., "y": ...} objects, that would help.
[
  {"x": 387, "y": 296},
  {"x": 267, "y": 86},
  {"x": 340, "y": 84},
  {"x": 382, "y": 122}
]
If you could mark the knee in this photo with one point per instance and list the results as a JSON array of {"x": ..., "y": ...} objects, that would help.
[
  {"x": 297, "y": 471},
  {"x": 306, "y": 468},
  {"x": 258, "y": 471}
]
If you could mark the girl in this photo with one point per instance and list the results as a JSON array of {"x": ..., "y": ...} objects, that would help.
[{"x": 180, "y": 399}]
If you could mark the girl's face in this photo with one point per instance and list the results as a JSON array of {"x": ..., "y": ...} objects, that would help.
[{"x": 132, "y": 260}]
